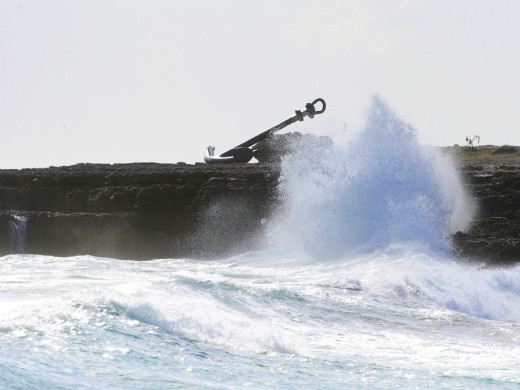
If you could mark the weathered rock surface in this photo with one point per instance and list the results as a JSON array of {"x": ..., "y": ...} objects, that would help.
[
  {"x": 137, "y": 211},
  {"x": 494, "y": 237},
  {"x": 145, "y": 211}
]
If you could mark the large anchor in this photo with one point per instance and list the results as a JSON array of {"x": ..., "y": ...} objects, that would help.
[{"x": 243, "y": 153}]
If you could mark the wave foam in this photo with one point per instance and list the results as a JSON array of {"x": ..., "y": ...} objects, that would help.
[
  {"x": 205, "y": 319},
  {"x": 380, "y": 188}
]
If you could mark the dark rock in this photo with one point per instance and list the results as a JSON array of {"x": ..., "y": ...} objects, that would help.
[
  {"x": 138, "y": 211},
  {"x": 494, "y": 237},
  {"x": 145, "y": 210}
]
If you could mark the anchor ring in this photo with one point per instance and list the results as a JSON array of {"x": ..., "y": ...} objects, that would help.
[{"x": 323, "y": 104}]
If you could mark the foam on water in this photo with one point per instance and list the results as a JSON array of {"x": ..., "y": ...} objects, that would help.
[
  {"x": 361, "y": 292},
  {"x": 17, "y": 233},
  {"x": 389, "y": 311},
  {"x": 387, "y": 200},
  {"x": 401, "y": 273},
  {"x": 203, "y": 317},
  {"x": 380, "y": 188}
]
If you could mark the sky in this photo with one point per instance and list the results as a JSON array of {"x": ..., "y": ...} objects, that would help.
[{"x": 117, "y": 81}]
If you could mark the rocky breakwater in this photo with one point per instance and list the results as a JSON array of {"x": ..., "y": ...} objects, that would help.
[
  {"x": 136, "y": 211},
  {"x": 146, "y": 211},
  {"x": 494, "y": 236}
]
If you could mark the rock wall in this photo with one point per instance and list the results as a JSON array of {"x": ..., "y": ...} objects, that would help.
[
  {"x": 494, "y": 237},
  {"x": 146, "y": 211},
  {"x": 137, "y": 211}
]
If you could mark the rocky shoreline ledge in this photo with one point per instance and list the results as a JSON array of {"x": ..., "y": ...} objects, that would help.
[
  {"x": 494, "y": 236},
  {"x": 136, "y": 211},
  {"x": 145, "y": 210}
]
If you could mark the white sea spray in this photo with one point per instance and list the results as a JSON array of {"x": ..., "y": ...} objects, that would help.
[
  {"x": 380, "y": 188},
  {"x": 360, "y": 292}
]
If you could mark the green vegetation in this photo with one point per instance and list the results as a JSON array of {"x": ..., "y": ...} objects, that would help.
[
  {"x": 485, "y": 152},
  {"x": 471, "y": 151},
  {"x": 506, "y": 149}
]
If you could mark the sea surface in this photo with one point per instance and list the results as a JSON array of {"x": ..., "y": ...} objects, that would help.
[{"x": 355, "y": 286}]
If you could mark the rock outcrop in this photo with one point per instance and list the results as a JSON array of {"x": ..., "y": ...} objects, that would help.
[
  {"x": 146, "y": 211},
  {"x": 494, "y": 237},
  {"x": 137, "y": 211}
]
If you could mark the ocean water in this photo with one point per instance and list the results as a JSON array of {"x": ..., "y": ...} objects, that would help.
[{"x": 356, "y": 287}]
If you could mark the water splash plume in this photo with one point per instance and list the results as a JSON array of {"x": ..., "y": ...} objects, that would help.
[
  {"x": 17, "y": 233},
  {"x": 380, "y": 188}
]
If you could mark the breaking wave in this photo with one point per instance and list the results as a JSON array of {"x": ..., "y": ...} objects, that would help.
[{"x": 380, "y": 188}]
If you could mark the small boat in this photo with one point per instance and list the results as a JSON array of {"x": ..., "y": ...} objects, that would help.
[{"x": 243, "y": 154}]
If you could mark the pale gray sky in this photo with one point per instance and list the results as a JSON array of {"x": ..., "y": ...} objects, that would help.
[{"x": 127, "y": 81}]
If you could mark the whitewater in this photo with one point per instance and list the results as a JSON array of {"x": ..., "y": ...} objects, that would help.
[{"x": 355, "y": 287}]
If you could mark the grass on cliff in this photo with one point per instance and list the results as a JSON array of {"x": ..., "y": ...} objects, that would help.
[
  {"x": 506, "y": 149},
  {"x": 491, "y": 152}
]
